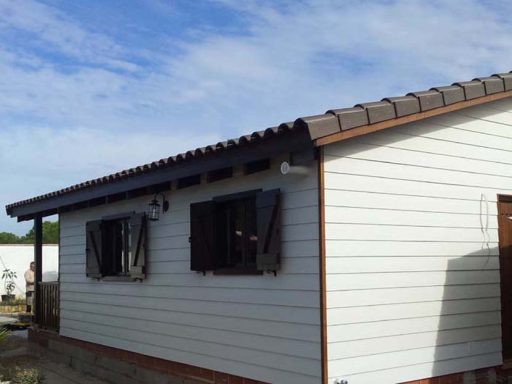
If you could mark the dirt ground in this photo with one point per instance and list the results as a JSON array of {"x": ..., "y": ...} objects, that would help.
[{"x": 16, "y": 352}]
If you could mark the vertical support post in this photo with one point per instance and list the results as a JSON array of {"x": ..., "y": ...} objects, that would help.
[{"x": 38, "y": 259}]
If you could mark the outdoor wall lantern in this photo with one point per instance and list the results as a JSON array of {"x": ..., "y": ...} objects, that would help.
[{"x": 154, "y": 207}]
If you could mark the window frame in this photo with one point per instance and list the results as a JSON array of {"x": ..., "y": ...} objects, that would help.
[
  {"x": 207, "y": 252},
  {"x": 109, "y": 247},
  {"x": 100, "y": 244},
  {"x": 225, "y": 203}
]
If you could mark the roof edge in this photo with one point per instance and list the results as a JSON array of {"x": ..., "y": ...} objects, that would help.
[
  {"x": 291, "y": 142},
  {"x": 370, "y": 128}
]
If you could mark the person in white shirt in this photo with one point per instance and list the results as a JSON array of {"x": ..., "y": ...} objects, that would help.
[{"x": 29, "y": 280}]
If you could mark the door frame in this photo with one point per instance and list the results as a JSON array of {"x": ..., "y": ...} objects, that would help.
[{"x": 505, "y": 291}]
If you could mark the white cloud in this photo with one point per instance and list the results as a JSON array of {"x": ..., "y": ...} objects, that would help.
[
  {"x": 60, "y": 33},
  {"x": 282, "y": 61},
  {"x": 37, "y": 161}
]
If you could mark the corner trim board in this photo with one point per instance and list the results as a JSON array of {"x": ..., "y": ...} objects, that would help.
[{"x": 322, "y": 269}]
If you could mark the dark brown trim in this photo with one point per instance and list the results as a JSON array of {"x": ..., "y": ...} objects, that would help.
[
  {"x": 256, "y": 166},
  {"x": 219, "y": 174},
  {"x": 38, "y": 259},
  {"x": 504, "y": 207},
  {"x": 188, "y": 181},
  {"x": 254, "y": 152},
  {"x": 237, "y": 271},
  {"x": 58, "y": 264},
  {"x": 505, "y": 198},
  {"x": 322, "y": 271},
  {"x": 236, "y": 196},
  {"x": 366, "y": 129}
]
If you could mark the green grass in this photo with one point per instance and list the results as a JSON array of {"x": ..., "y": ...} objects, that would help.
[
  {"x": 4, "y": 333},
  {"x": 13, "y": 302}
]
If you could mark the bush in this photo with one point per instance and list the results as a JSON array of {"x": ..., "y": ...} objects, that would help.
[
  {"x": 17, "y": 301},
  {"x": 4, "y": 333},
  {"x": 27, "y": 376}
]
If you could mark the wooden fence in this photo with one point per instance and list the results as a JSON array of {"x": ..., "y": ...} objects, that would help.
[{"x": 47, "y": 305}]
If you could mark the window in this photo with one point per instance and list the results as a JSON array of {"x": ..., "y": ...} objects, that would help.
[
  {"x": 236, "y": 233},
  {"x": 115, "y": 247}
]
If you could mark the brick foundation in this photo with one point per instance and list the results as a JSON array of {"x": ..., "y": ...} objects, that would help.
[
  {"x": 117, "y": 365},
  {"x": 120, "y": 366},
  {"x": 492, "y": 375}
]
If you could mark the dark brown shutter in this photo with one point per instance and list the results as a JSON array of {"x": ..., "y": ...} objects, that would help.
[
  {"x": 138, "y": 235},
  {"x": 94, "y": 249},
  {"x": 268, "y": 216},
  {"x": 202, "y": 236}
]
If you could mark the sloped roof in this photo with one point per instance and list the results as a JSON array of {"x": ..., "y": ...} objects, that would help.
[{"x": 335, "y": 121}]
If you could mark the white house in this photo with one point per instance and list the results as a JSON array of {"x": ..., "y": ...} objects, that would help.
[
  {"x": 17, "y": 258},
  {"x": 364, "y": 245}
]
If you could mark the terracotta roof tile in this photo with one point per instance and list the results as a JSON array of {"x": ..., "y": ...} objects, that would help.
[
  {"x": 472, "y": 89},
  {"x": 349, "y": 118},
  {"x": 404, "y": 105},
  {"x": 378, "y": 111}
]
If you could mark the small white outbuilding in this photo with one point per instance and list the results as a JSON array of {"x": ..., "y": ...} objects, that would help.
[{"x": 17, "y": 258}]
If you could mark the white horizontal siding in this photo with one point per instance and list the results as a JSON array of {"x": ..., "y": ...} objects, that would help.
[
  {"x": 263, "y": 327},
  {"x": 412, "y": 247}
]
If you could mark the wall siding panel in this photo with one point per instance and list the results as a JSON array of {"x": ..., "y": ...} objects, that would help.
[
  {"x": 412, "y": 247},
  {"x": 263, "y": 327}
]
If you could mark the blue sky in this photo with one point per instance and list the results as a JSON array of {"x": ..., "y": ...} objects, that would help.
[{"x": 94, "y": 86}]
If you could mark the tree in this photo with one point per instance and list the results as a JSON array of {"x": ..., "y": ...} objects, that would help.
[
  {"x": 50, "y": 235},
  {"x": 51, "y": 232},
  {"x": 8, "y": 238}
]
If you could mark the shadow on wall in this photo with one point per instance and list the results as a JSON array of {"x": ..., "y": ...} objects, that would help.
[{"x": 469, "y": 329}]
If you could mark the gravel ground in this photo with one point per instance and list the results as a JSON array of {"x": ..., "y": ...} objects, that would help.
[{"x": 16, "y": 352}]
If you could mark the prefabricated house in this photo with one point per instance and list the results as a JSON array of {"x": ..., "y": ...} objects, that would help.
[{"x": 365, "y": 245}]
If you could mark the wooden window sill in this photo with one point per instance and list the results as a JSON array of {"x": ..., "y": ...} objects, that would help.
[
  {"x": 237, "y": 271},
  {"x": 117, "y": 278},
  {"x": 507, "y": 364}
]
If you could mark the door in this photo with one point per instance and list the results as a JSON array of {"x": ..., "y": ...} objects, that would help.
[{"x": 505, "y": 238}]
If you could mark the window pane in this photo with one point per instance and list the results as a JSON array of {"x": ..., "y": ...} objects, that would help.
[
  {"x": 222, "y": 236},
  {"x": 237, "y": 233},
  {"x": 117, "y": 246},
  {"x": 252, "y": 232}
]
